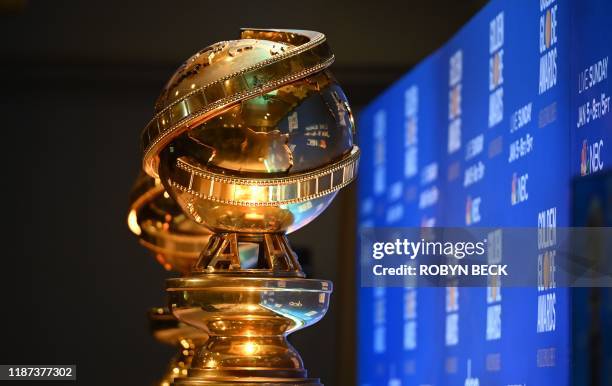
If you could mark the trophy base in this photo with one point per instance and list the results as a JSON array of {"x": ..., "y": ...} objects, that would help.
[{"x": 248, "y": 319}]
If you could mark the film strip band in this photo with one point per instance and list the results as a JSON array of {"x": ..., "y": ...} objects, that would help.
[
  {"x": 269, "y": 191},
  {"x": 311, "y": 56}
]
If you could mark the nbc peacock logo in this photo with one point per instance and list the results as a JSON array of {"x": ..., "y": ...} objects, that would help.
[
  {"x": 591, "y": 158},
  {"x": 583, "y": 159},
  {"x": 518, "y": 191}
]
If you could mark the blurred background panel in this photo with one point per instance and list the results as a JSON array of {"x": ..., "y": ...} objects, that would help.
[{"x": 79, "y": 83}]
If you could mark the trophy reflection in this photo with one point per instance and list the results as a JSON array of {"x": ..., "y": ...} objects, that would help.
[
  {"x": 252, "y": 138},
  {"x": 176, "y": 242},
  {"x": 169, "y": 330}
]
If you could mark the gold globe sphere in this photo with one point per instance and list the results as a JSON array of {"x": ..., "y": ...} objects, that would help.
[
  {"x": 269, "y": 163},
  {"x": 274, "y": 143},
  {"x": 215, "y": 62}
]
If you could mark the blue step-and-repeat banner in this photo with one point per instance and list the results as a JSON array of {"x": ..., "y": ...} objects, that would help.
[{"x": 488, "y": 131}]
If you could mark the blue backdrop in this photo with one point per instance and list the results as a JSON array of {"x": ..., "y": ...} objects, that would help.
[{"x": 488, "y": 131}]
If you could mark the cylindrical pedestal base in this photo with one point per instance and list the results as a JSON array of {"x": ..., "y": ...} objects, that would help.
[{"x": 248, "y": 319}]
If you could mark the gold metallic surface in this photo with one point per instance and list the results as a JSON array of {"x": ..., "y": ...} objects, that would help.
[
  {"x": 176, "y": 242},
  {"x": 228, "y": 253},
  {"x": 228, "y": 72},
  {"x": 168, "y": 330},
  {"x": 162, "y": 227},
  {"x": 265, "y": 192},
  {"x": 248, "y": 319},
  {"x": 251, "y": 139},
  {"x": 268, "y": 164}
]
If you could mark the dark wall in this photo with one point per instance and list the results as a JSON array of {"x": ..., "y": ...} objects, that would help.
[{"x": 79, "y": 83}]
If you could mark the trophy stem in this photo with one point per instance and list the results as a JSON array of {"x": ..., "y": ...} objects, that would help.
[{"x": 260, "y": 254}]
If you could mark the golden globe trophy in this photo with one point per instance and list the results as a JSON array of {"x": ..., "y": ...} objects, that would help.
[
  {"x": 252, "y": 138},
  {"x": 176, "y": 242}
]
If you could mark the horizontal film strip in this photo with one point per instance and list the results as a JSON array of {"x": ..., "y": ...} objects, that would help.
[{"x": 268, "y": 191}]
